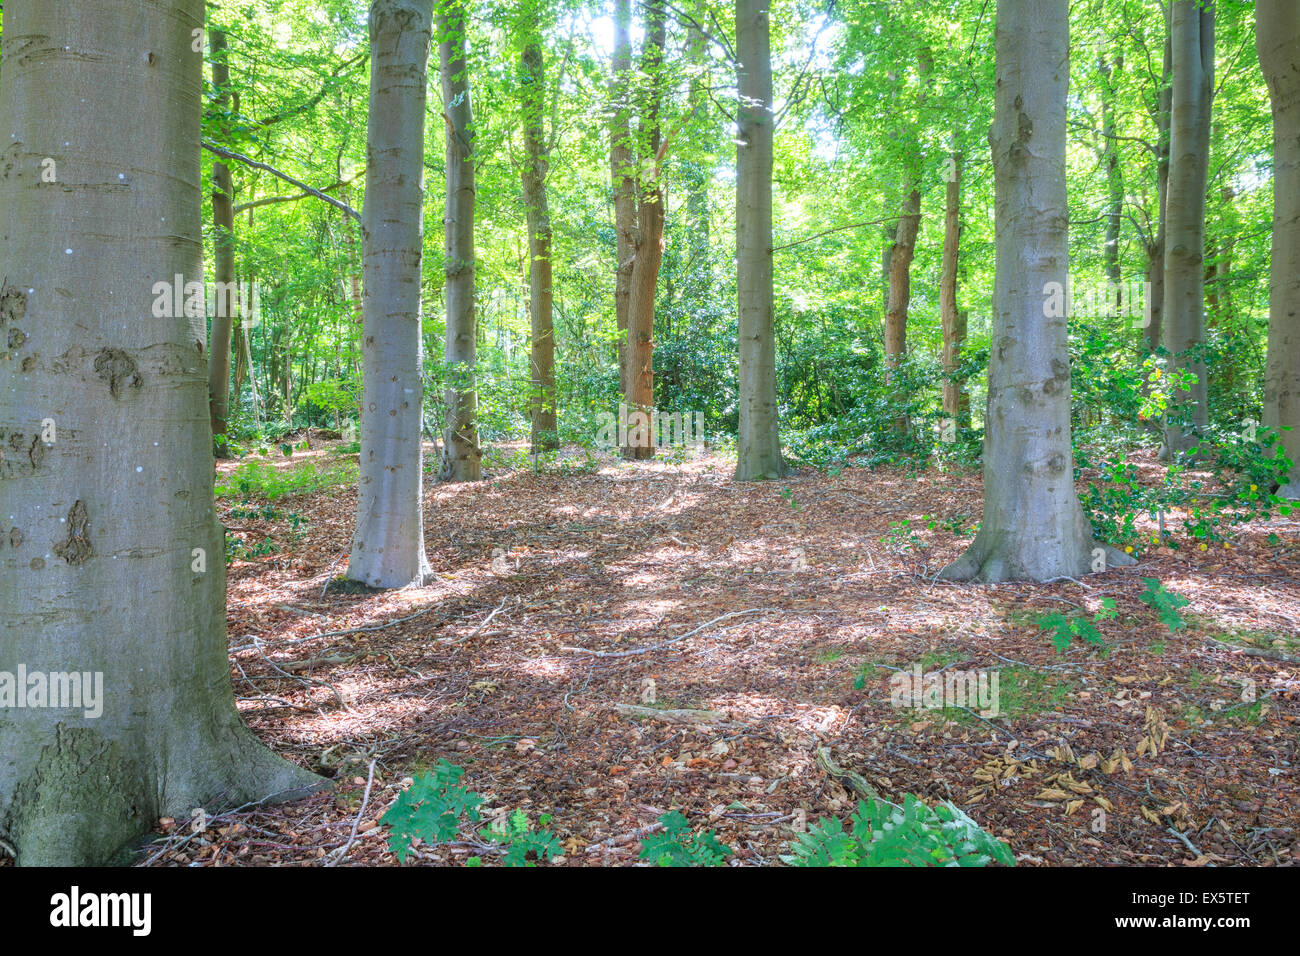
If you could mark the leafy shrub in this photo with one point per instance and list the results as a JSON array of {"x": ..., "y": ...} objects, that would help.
[
  {"x": 677, "y": 846},
  {"x": 435, "y": 807},
  {"x": 254, "y": 479},
  {"x": 882, "y": 834},
  {"x": 1066, "y": 628}
]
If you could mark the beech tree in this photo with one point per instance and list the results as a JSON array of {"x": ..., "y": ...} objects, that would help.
[
  {"x": 1277, "y": 38},
  {"x": 463, "y": 456},
  {"x": 388, "y": 543},
  {"x": 223, "y": 243},
  {"x": 759, "y": 440},
  {"x": 113, "y": 560},
  {"x": 1192, "y": 45},
  {"x": 541, "y": 296},
  {"x": 1034, "y": 527}
]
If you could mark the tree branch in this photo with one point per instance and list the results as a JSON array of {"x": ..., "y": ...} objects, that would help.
[{"x": 309, "y": 190}]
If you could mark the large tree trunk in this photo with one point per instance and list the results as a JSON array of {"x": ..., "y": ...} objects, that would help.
[
  {"x": 623, "y": 178},
  {"x": 113, "y": 561},
  {"x": 388, "y": 542},
  {"x": 223, "y": 241},
  {"x": 1192, "y": 40},
  {"x": 759, "y": 443},
  {"x": 462, "y": 451},
  {"x": 1277, "y": 38},
  {"x": 1033, "y": 527},
  {"x": 545, "y": 429},
  {"x": 956, "y": 401},
  {"x": 649, "y": 249}
]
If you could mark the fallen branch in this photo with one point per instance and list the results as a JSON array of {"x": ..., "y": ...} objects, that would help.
[
  {"x": 682, "y": 715},
  {"x": 680, "y": 637},
  {"x": 1256, "y": 651},
  {"x": 848, "y": 779},
  {"x": 365, "y": 800}
]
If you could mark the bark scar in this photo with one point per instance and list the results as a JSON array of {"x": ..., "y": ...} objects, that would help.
[
  {"x": 117, "y": 369},
  {"x": 76, "y": 549}
]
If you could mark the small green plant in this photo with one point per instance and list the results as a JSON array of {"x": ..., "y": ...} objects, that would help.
[
  {"x": 788, "y": 495},
  {"x": 254, "y": 479},
  {"x": 1065, "y": 628},
  {"x": 518, "y": 840},
  {"x": 1165, "y": 603},
  {"x": 432, "y": 809},
  {"x": 902, "y": 535},
  {"x": 677, "y": 846},
  {"x": 882, "y": 834}
]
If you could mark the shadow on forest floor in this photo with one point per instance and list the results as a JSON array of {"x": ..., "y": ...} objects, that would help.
[{"x": 1141, "y": 752}]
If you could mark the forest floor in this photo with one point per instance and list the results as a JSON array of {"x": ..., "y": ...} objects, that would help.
[{"x": 783, "y": 610}]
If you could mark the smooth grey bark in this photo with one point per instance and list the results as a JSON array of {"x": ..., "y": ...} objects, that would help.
[
  {"x": 545, "y": 428},
  {"x": 223, "y": 242},
  {"x": 112, "y": 560},
  {"x": 1033, "y": 526},
  {"x": 388, "y": 541},
  {"x": 1277, "y": 39},
  {"x": 463, "y": 456},
  {"x": 1192, "y": 44},
  {"x": 759, "y": 440}
]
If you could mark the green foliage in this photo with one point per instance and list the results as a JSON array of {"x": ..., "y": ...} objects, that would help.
[
  {"x": 882, "y": 834},
  {"x": 678, "y": 846},
  {"x": 1165, "y": 603},
  {"x": 432, "y": 809},
  {"x": 1065, "y": 628},
  {"x": 519, "y": 841},
  {"x": 435, "y": 807},
  {"x": 253, "y": 479}
]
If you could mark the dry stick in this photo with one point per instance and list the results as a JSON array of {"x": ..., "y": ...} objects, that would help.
[
  {"x": 622, "y": 838},
  {"x": 350, "y": 630},
  {"x": 1256, "y": 651},
  {"x": 477, "y": 630},
  {"x": 680, "y": 637},
  {"x": 305, "y": 680},
  {"x": 326, "y": 586},
  {"x": 370, "y": 779}
]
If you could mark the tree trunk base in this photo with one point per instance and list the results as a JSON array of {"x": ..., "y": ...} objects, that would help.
[{"x": 984, "y": 563}]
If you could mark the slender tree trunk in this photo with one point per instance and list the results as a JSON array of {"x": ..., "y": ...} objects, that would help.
[
  {"x": 1033, "y": 527},
  {"x": 1114, "y": 172},
  {"x": 223, "y": 221},
  {"x": 956, "y": 401},
  {"x": 113, "y": 561},
  {"x": 1277, "y": 38},
  {"x": 545, "y": 429},
  {"x": 1192, "y": 38},
  {"x": 901, "y": 254},
  {"x": 649, "y": 253},
  {"x": 462, "y": 450},
  {"x": 759, "y": 446},
  {"x": 388, "y": 542},
  {"x": 1155, "y": 273},
  {"x": 622, "y": 173}
]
